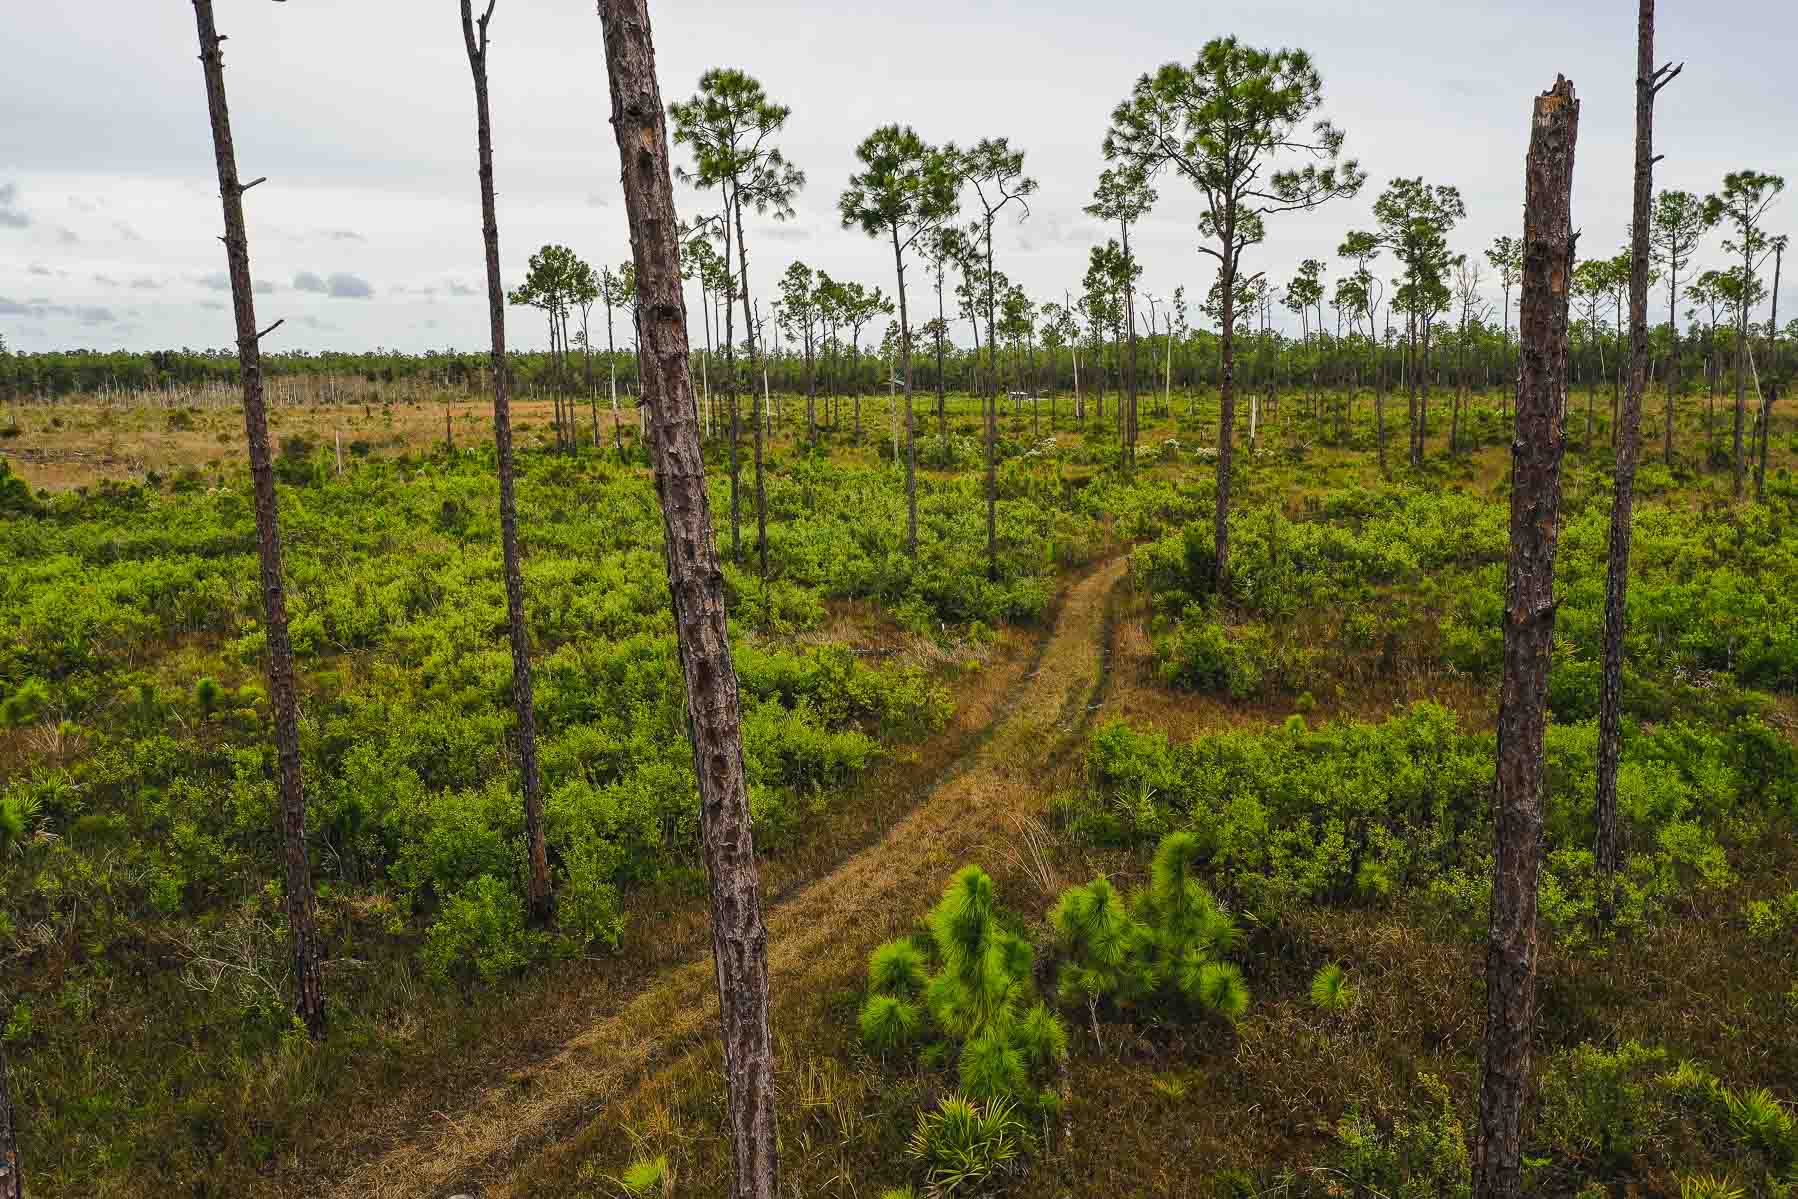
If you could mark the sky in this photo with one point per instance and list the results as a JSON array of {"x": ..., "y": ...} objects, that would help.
[{"x": 360, "y": 112}]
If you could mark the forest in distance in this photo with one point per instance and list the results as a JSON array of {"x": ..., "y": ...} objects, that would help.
[{"x": 760, "y": 732}]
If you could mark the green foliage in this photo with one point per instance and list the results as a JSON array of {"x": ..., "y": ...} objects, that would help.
[
  {"x": 1361, "y": 812},
  {"x": 646, "y": 1175},
  {"x": 964, "y": 1144},
  {"x": 25, "y": 705},
  {"x": 1772, "y": 920},
  {"x": 889, "y": 1023},
  {"x": 1597, "y": 1103},
  {"x": 979, "y": 997},
  {"x": 1424, "y": 1156},
  {"x": 1331, "y": 990},
  {"x": 480, "y": 934},
  {"x": 1168, "y": 943}
]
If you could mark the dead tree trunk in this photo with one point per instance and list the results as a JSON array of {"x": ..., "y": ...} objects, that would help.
[
  {"x": 696, "y": 589},
  {"x": 1608, "y": 847},
  {"x": 1529, "y": 621},
  {"x": 12, "y": 1177},
  {"x": 302, "y": 913},
  {"x": 1773, "y": 378},
  {"x": 537, "y": 889}
]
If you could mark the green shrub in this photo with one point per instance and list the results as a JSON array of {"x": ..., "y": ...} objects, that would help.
[
  {"x": 1600, "y": 1105},
  {"x": 1424, "y": 1156},
  {"x": 1168, "y": 943},
  {"x": 978, "y": 997},
  {"x": 480, "y": 934}
]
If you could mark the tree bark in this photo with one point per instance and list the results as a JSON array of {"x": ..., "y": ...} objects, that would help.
[
  {"x": 992, "y": 419},
  {"x": 1608, "y": 850},
  {"x": 1529, "y": 619},
  {"x": 301, "y": 906},
  {"x": 1742, "y": 362},
  {"x": 911, "y": 449},
  {"x": 1129, "y": 407},
  {"x": 757, "y": 408},
  {"x": 696, "y": 590},
  {"x": 12, "y": 1176},
  {"x": 1226, "y": 402},
  {"x": 538, "y": 896},
  {"x": 1771, "y": 393}
]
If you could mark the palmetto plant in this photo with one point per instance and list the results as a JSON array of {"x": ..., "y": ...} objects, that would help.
[{"x": 963, "y": 1143}]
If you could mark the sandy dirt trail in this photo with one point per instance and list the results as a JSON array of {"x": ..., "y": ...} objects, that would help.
[{"x": 874, "y": 893}]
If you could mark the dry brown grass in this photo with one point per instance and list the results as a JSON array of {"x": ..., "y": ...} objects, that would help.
[{"x": 63, "y": 446}]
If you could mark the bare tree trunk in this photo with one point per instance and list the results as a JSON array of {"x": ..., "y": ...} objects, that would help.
[
  {"x": 696, "y": 589},
  {"x": 302, "y": 914},
  {"x": 757, "y": 409},
  {"x": 1742, "y": 365},
  {"x": 1773, "y": 377},
  {"x": 1129, "y": 406},
  {"x": 992, "y": 419},
  {"x": 1226, "y": 403},
  {"x": 911, "y": 449},
  {"x": 538, "y": 896},
  {"x": 1608, "y": 849},
  {"x": 1529, "y": 637},
  {"x": 12, "y": 1175}
]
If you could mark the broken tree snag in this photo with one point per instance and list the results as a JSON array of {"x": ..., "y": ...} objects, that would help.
[
  {"x": 1529, "y": 619},
  {"x": 302, "y": 909},
  {"x": 1608, "y": 847},
  {"x": 538, "y": 896},
  {"x": 696, "y": 590}
]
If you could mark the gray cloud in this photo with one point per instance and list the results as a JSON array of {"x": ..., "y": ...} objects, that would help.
[
  {"x": 126, "y": 232},
  {"x": 212, "y": 305},
  {"x": 339, "y": 286},
  {"x": 219, "y": 281},
  {"x": 349, "y": 287},
  {"x": 11, "y": 215},
  {"x": 38, "y": 310},
  {"x": 343, "y": 235},
  {"x": 313, "y": 322},
  {"x": 67, "y": 236},
  {"x": 596, "y": 200},
  {"x": 145, "y": 283},
  {"x": 456, "y": 287},
  {"x": 106, "y": 280},
  {"x": 38, "y": 268}
]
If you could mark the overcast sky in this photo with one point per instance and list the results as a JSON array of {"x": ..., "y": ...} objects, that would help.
[{"x": 361, "y": 114}]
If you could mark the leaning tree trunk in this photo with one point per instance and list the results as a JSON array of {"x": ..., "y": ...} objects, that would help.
[
  {"x": 12, "y": 1177},
  {"x": 1529, "y": 620},
  {"x": 538, "y": 896},
  {"x": 302, "y": 908},
  {"x": 1608, "y": 850},
  {"x": 696, "y": 589}
]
